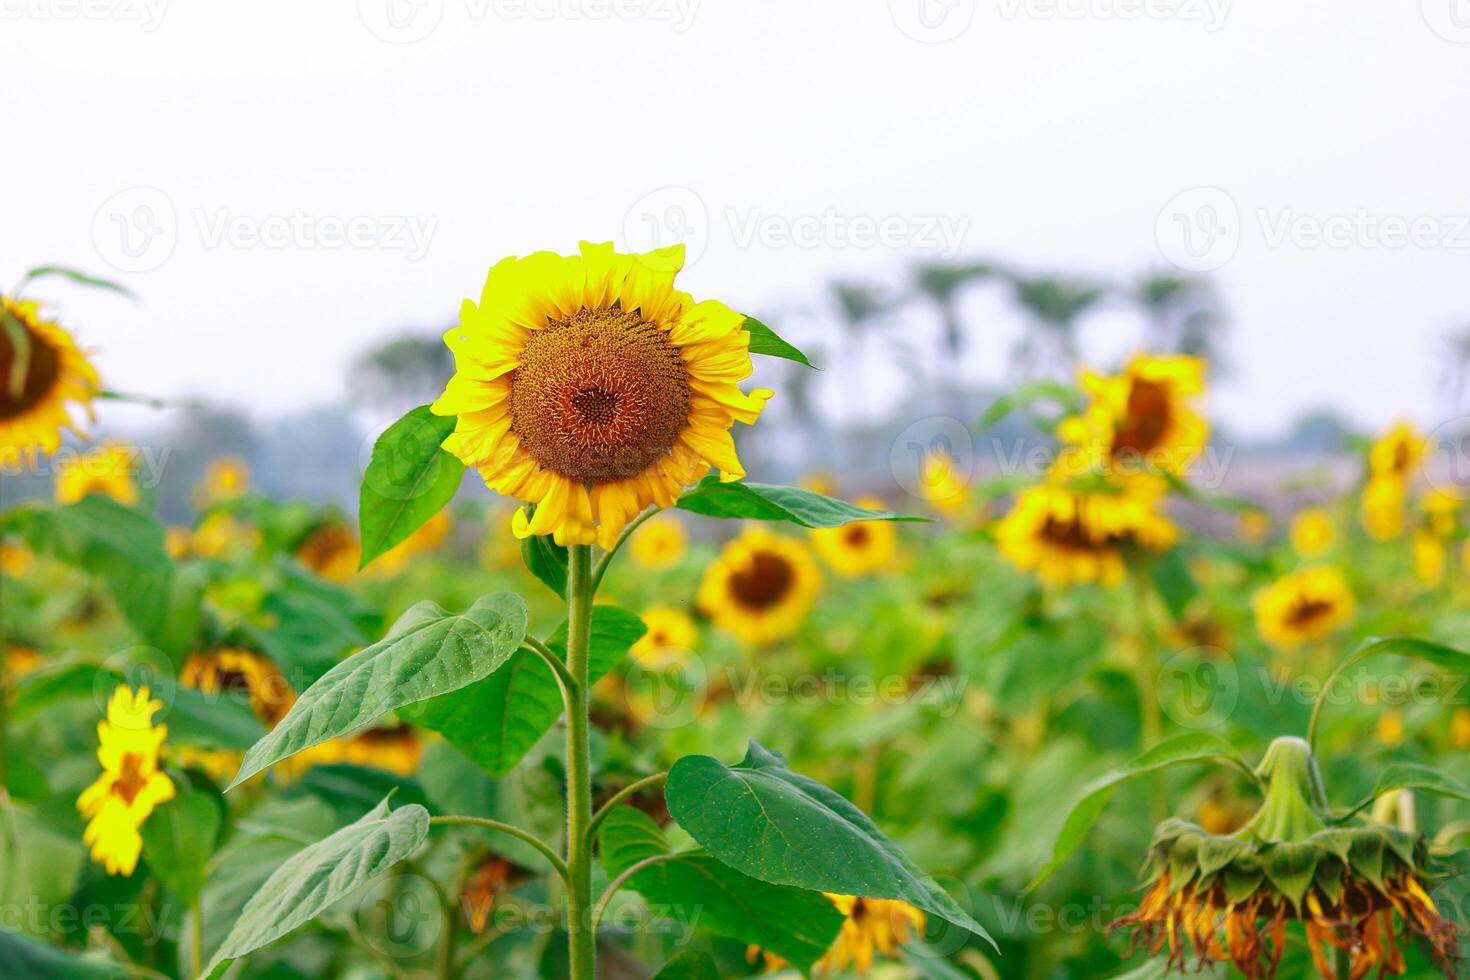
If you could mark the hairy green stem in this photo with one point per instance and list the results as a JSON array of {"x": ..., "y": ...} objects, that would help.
[
  {"x": 581, "y": 929},
  {"x": 632, "y": 788},
  {"x": 512, "y": 830}
]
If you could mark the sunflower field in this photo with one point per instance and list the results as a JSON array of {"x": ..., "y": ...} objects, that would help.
[{"x": 573, "y": 688}]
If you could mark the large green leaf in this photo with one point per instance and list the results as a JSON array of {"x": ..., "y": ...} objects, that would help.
[
  {"x": 794, "y": 923},
  {"x": 1411, "y": 775},
  {"x": 547, "y": 560},
  {"x": 764, "y": 340},
  {"x": 428, "y": 652},
  {"x": 179, "y": 838},
  {"x": 26, "y": 959},
  {"x": 1447, "y": 658},
  {"x": 770, "y": 823},
  {"x": 689, "y": 965},
  {"x": 315, "y": 877},
  {"x": 211, "y": 721},
  {"x": 409, "y": 478},
  {"x": 763, "y": 502},
  {"x": 498, "y": 720},
  {"x": 1181, "y": 749}
]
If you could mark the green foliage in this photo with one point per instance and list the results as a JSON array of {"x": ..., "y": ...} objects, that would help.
[
  {"x": 713, "y": 497},
  {"x": 180, "y": 836},
  {"x": 763, "y": 340},
  {"x": 407, "y": 481}
]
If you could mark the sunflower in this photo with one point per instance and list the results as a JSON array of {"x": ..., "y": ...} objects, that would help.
[
  {"x": 1304, "y": 606},
  {"x": 131, "y": 784},
  {"x": 221, "y": 535},
  {"x": 426, "y": 539},
  {"x": 226, "y": 478},
  {"x": 1140, "y": 421},
  {"x": 860, "y": 547},
  {"x": 1429, "y": 558},
  {"x": 37, "y": 381},
  {"x": 16, "y": 559},
  {"x": 1067, "y": 535},
  {"x": 394, "y": 748},
  {"x": 589, "y": 386},
  {"x": 1312, "y": 532},
  {"x": 940, "y": 485},
  {"x": 1383, "y": 507},
  {"x": 331, "y": 550},
  {"x": 669, "y": 631},
  {"x": 1396, "y": 452},
  {"x": 1441, "y": 512},
  {"x": 660, "y": 542},
  {"x": 235, "y": 670},
  {"x": 760, "y": 587},
  {"x": 107, "y": 469},
  {"x": 871, "y": 927}
]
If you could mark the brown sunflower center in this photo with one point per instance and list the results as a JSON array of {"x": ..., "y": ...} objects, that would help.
[
  {"x": 1146, "y": 421},
  {"x": 599, "y": 396},
  {"x": 41, "y": 369},
  {"x": 130, "y": 781},
  {"x": 857, "y": 535},
  {"x": 1070, "y": 536},
  {"x": 764, "y": 582},
  {"x": 1306, "y": 613}
]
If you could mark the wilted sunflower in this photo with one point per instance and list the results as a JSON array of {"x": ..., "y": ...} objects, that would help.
[
  {"x": 1312, "y": 532},
  {"x": 873, "y": 927},
  {"x": 760, "y": 587},
  {"x": 859, "y": 547},
  {"x": 107, "y": 469},
  {"x": 331, "y": 550},
  {"x": 1355, "y": 889},
  {"x": 226, "y": 478},
  {"x": 669, "y": 630},
  {"x": 1067, "y": 535},
  {"x": 660, "y": 542},
  {"x": 38, "y": 380},
  {"x": 237, "y": 671},
  {"x": 591, "y": 387},
  {"x": 1303, "y": 606},
  {"x": 1141, "y": 420},
  {"x": 131, "y": 784}
]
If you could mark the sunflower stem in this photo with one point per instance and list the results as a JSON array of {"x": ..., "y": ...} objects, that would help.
[
  {"x": 581, "y": 929},
  {"x": 1151, "y": 722}
]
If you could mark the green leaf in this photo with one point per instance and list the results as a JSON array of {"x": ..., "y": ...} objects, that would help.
[
  {"x": 763, "y": 340},
  {"x": 1171, "y": 577},
  {"x": 546, "y": 559},
  {"x": 1410, "y": 775},
  {"x": 60, "y": 682},
  {"x": 763, "y": 502},
  {"x": 26, "y": 959},
  {"x": 179, "y": 838},
  {"x": 408, "y": 480},
  {"x": 689, "y": 965},
  {"x": 211, "y": 721},
  {"x": 795, "y": 923},
  {"x": 770, "y": 823},
  {"x": 498, "y": 720},
  {"x": 1181, "y": 749},
  {"x": 1053, "y": 391},
  {"x": 428, "y": 652},
  {"x": 1446, "y": 658},
  {"x": 76, "y": 276},
  {"x": 319, "y": 875}
]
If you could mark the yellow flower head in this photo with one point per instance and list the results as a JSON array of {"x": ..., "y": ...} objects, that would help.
[
  {"x": 659, "y": 542},
  {"x": 1441, "y": 511},
  {"x": 131, "y": 784},
  {"x": 232, "y": 670},
  {"x": 38, "y": 382},
  {"x": 1312, "y": 532},
  {"x": 393, "y": 748},
  {"x": 760, "y": 587},
  {"x": 220, "y": 535},
  {"x": 1066, "y": 535},
  {"x": 16, "y": 559},
  {"x": 1397, "y": 452},
  {"x": 105, "y": 469},
  {"x": 1383, "y": 507},
  {"x": 819, "y": 481},
  {"x": 671, "y": 633},
  {"x": 1304, "y": 606},
  {"x": 226, "y": 478},
  {"x": 331, "y": 550},
  {"x": 1140, "y": 421},
  {"x": 860, "y": 547},
  {"x": 940, "y": 485},
  {"x": 591, "y": 387},
  {"x": 1429, "y": 558},
  {"x": 873, "y": 927}
]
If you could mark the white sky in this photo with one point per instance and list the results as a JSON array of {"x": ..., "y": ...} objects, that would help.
[{"x": 1050, "y": 132}]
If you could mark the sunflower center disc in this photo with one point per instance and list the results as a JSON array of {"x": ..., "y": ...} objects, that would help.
[
  {"x": 763, "y": 583},
  {"x": 130, "y": 781},
  {"x": 41, "y": 375},
  {"x": 599, "y": 396},
  {"x": 1147, "y": 419},
  {"x": 1308, "y": 611}
]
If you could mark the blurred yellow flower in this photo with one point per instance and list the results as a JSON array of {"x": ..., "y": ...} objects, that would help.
[
  {"x": 1390, "y": 728},
  {"x": 427, "y": 538},
  {"x": 331, "y": 550},
  {"x": 178, "y": 541},
  {"x": 1460, "y": 728},
  {"x": 234, "y": 670},
  {"x": 226, "y": 478},
  {"x": 1383, "y": 507},
  {"x": 591, "y": 387},
  {"x": 393, "y": 748},
  {"x": 760, "y": 587},
  {"x": 873, "y": 927},
  {"x": 659, "y": 542},
  {"x": 130, "y": 786},
  {"x": 1139, "y": 422},
  {"x": 1312, "y": 532},
  {"x": 819, "y": 481},
  {"x": 16, "y": 559},
  {"x": 219, "y": 764},
  {"x": 1304, "y": 606},
  {"x": 1429, "y": 558},
  {"x": 39, "y": 383},
  {"x": 860, "y": 547},
  {"x": 1397, "y": 452},
  {"x": 670, "y": 631},
  {"x": 220, "y": 535},
  {"x": 940, "y": 485},
  {"x": 21, "y": 659},
  {"x": 1442, "y": 510},
  {"x": 105, "y": 469},
  {"x": 1254, "y": 525},
  {"x": 1068, "y": 536}
]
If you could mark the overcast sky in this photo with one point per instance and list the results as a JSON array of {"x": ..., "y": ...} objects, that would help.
[{"x": 283, "y": 182}]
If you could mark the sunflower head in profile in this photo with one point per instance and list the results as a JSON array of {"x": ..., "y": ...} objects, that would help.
[
  {"x": 760, "y": 587},
  {"x": 106, "y": 469},
  {"x": 872, "y": 927},
  {"x": 660, "y": 542},
  {"x": 1140, "y": 421},
  {"x": 1312, "y": 532},
  {"x": 1066, "y": 535},
  {"x": 1303, "y": 607},
  {"x": 591, "y": 387},
  {"x": 1359, "y": 890},
  {"x": 131, "y": 784},
  {"x": 239, "y": 672},
  {"x": 43, "y": 374},
  {"x": 858, "y": 548},
  {"x": 331, "y": 550}
]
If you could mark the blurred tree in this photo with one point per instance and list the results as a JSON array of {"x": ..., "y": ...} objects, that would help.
[
  {"x": 1455, "y": 370},
  {"x": 1053, "y": 305},
  {"x": 940, "y": 283},
  {"x": 407, "y": 370},
  {"x": 1182, "y": 315}
]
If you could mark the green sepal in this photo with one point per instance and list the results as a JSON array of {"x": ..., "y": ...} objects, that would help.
[
  {"x": 1367, "y": 858},
  {"x": 1217, "y": 852},
  {"x": 1291, "y": 865}
]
